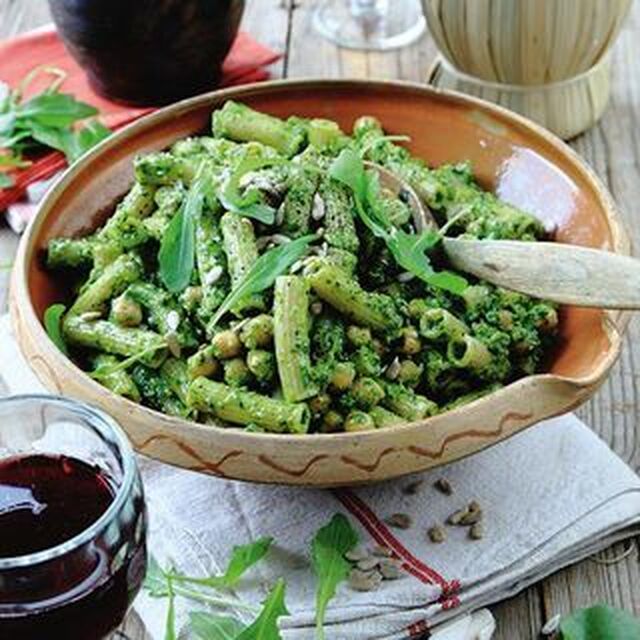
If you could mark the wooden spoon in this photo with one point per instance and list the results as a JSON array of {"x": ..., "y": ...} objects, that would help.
[{"x": 563, "y": 273}]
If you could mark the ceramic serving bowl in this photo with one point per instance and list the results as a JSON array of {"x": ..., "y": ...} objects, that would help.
[{"x": 519, "y": 160}]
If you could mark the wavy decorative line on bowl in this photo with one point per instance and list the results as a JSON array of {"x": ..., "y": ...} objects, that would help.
[
  {"x": 471, "y": 433},
  {"x": 297, "y": 473},
  {"x": 364, "y": 466},
  {"x": 212, "y": 467}
]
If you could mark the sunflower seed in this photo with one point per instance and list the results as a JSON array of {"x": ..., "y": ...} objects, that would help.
[
  {"x": 413, "y": 487},
  {"x": 317, "y": 209},
  {"x": 213, "y": 275},
  {"x": 456, "y": 517},
  {"x": 173, "y": 320},
  {"x": 262, "y": 242},
  {"x": 368, "y": 564},
  {"x": 173, "y": 344},
  {"x": 399, "y": 520},
  {"x": 316, "y": 308},
  {"x": 390, "y": 569},
  {"x": 443, "y": 486},
  {"x": 437, "y": 534},
  {"x": 90, "y": 316},
  {"x": 381, "y": 551},
  {"x": 320, "y": 232},
  {"x": 405, "y": 276},
  {"x": 364, "y": 580},
  {"x": 356, "y": 554},
  {"x": 280, "y": 238},
  {"x": 279, "y": 219},
  {"x": 296, "y": 266},
  {"x": 551, "y": 626},
  {"x": 476, "y": 532},
  {"x": 472, "y": 515},
  {"x": 393, "y": 370}
]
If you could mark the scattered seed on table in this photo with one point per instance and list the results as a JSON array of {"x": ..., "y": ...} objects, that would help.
[
  {"x": 381, "y": 551},
  {"x": 413, "y": 487},
  {"x": 443, "y": 486},
  {"x": 391, "y": 569},
  {"x": 456, "y": 517},
  {"x": 472, "y": 515},
  {"x": 357, "y": 554},
  {"x": 399, "y": 520},
  {"x": 476, "y": 532},
  {"x": 437, "y": 534},
  {"x": 368, "y": 564},
  {"x": 364, "y": 580}
]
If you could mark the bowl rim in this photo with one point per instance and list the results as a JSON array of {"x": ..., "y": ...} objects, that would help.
[{"x": 614, "y": 322}]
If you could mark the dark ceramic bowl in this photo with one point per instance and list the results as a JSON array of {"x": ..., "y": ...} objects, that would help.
[{"x": 149, "y": 52}]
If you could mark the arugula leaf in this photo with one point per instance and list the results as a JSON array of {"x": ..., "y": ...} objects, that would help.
[
  {"x": 265, "y": 626},
  {"x": 208, "y": 626},
  {"x": 177, "y": 248},
  {"x": 408, "y": 249},
  {"x": 170, "y": 625},
  {"x": 86, "y": 138},
  {"x": 248, "y": 205},
  {"x": 73, "y": 144},
  {"x": 264, "y": 272},
  {"x": 600, "y": 622},
  {"x": 243, "y": 557},
  {"x": 52, "y": 320},
  {"x": 329, "y": 545},
  {"x": 55, "y": 110},
  {"x": 6, "y": 181}
]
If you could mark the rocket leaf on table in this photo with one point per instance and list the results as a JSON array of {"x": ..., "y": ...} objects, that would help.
[
  {"x": 328, "y": 548},
  {"x": 265, "y": 626},
  {"x": 600, "y": 622}
]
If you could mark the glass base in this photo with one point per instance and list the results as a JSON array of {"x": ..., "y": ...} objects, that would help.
[{"x": 373, "y": 25}]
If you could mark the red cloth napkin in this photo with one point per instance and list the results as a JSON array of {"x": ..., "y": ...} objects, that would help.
[{"x": 245, "y": 63}]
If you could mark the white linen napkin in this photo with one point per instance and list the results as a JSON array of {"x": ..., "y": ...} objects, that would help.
[{"x": 551, "y": 495}]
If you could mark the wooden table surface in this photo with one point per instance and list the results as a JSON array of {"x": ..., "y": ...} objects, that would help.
[{"x": 612, "y": 148}]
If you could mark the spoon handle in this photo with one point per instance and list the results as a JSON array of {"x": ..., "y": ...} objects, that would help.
[{"x": 562, "y": 273}]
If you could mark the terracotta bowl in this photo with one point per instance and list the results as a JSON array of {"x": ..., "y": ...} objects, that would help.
[{"x": 519, "y": 160}]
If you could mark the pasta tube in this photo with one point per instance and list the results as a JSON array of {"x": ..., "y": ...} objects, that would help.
[
  {"x": 291, "y": 338},
  {"x": 245, "y": 407}
]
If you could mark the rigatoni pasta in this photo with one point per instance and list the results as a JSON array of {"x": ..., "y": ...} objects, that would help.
[{"x": 294, "y": 309}]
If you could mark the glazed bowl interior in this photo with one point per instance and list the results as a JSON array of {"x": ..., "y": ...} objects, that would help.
[{"x": 519, "y": 161}]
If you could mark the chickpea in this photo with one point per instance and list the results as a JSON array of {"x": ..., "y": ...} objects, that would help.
[
  {"x": 409, "y": 373},
  {"x": 320, "y": 404},
  {"x": 367, "y": 392},
  {"x": 192, "y": 297},
  {"x": 236, "y": 372},
  {"x": 358, "y": 336},
  {"x": 262, "y": 364},
  {"x": 258, "y": 332},
  {"x": 549, "y": 322},
  {"x": 505, "y": 318},
  {"x": 126, "y": 312},
  {"x": 416, "y": 308},
  {"x": 226, "y": 344},
  {"x": 203, "y": 363},
  {"x": 343, "y": 376},
  {"x": 359, "y": 421},
  {"x": 331, "y": 422},
  {"x": 411, "y": 343}
]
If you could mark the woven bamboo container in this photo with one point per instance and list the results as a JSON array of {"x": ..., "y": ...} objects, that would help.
[{"x": 546, "y": 59}]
